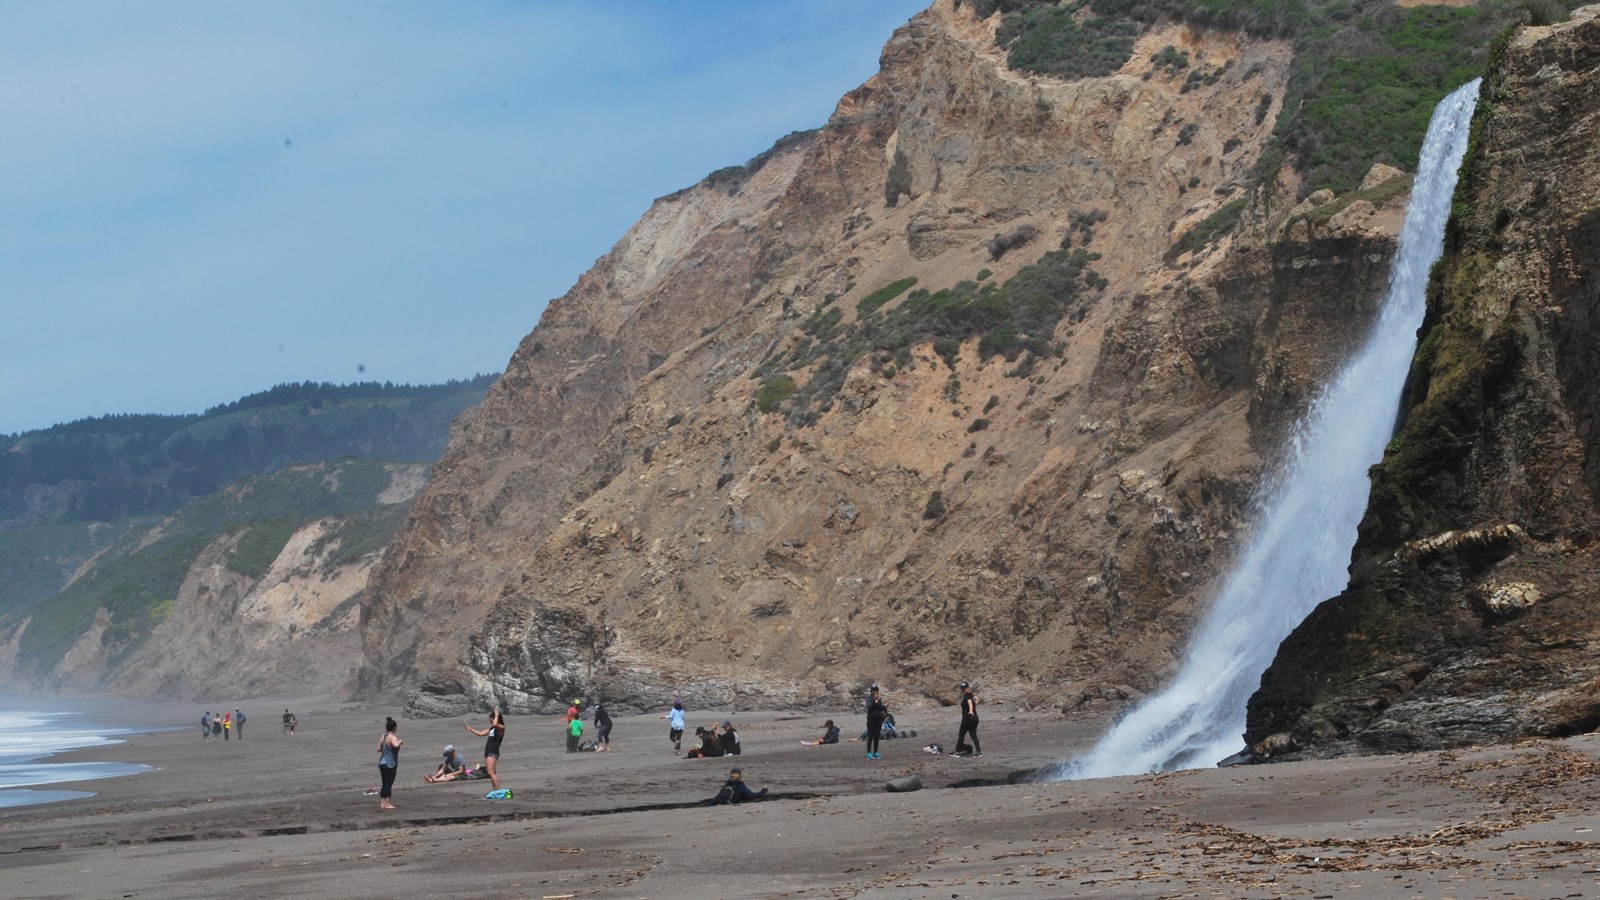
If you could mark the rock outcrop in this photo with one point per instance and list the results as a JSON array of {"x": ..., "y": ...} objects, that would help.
[
  {"x": 1472, "y": 612},
  {"x": 623, "y": 514}
]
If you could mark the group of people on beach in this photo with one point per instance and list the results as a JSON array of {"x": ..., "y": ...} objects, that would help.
[
  {"x": 227, "y": 725},
  {"x": 714, "y": 741},
  {"x": 453, "y": 768},
  {"x": 224, "y": 725}
]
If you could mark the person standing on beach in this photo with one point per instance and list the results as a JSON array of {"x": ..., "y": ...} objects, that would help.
[
  {"x": 496, "y": 733},
  {"x": 675, "y": 720},
  {"x": 216, "y": 727},
  {"x": 238, "y": 723},
  {"x": 227, "y": 725},
  {"x": 602, "y": 726},
  {"x": 205, "y": 726},
  {"x": 388, "y": 761},
  {"x": 877, "y": 710},
  {"x": 969, "y": 719}
]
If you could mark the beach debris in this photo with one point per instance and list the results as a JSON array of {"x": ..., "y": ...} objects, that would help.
[{"x": 903, "y": 785}]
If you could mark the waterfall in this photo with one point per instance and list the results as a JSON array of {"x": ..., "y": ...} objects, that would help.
[{"x": 1298, "y": 552}]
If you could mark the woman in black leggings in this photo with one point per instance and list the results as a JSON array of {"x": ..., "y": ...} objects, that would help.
[
  {"x": 388, "y": 761},
  {"x": 877, "y": 710}
]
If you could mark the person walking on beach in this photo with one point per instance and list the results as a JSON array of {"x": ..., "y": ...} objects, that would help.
[
  {"x": 969, "y": 719},
  {"x": 876, "y": 711},
  {"x": 388, "y": 761},
  {"x": 238, "y": 723},
  {"x": 289, "y": 722},
  {"x": 496, "y": 732},
  {"x": 205, "y": 726},
  {"x": 675, "y": 720},
  {"x": 227, "y": 725},
  {"x": 216, "y": 727},
  {"x": 602, "y": 727}
]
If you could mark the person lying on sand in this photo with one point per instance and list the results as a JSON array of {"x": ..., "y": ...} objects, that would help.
[
  {"x": 734, "y": 790},
  {"x": 453, "y": 767}
]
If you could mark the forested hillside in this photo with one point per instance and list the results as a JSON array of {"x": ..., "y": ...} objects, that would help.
[{"x": 69, "y": 491}]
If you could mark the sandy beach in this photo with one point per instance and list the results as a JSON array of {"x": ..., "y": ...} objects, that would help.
[{"x": 287, "y": 816}]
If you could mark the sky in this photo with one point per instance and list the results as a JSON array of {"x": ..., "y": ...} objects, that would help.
[{"x": 200, "y": 200}]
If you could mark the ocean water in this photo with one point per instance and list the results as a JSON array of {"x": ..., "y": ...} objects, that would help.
[{"x": 30, "y": 739}]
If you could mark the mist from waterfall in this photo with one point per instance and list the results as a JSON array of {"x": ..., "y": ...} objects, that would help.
[{"x": 1298, "y": 551}]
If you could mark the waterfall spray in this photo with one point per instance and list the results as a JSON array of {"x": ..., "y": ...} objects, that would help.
[{"x": 1298, "y": 552}]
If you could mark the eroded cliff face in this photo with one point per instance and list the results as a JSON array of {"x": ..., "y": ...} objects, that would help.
[
  {"x": 621, "y": 516},
  {"x": 1471, "y": 613}
]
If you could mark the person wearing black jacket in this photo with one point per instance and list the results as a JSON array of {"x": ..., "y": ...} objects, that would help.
[
  {"x": 734, "y": 790},
  {"x": 709, "y": 744},
  {"x": 969, "y": 718},
  {"x": 729, "y": 739},
  {"x": 602, "y": 724},
  {"x": 876, "y": 711}
]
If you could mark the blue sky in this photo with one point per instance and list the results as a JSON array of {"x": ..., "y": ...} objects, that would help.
[{"x": 201, "y": 200}]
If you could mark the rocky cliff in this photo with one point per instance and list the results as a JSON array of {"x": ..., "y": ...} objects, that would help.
[
  {"x": 1471, "y": 612},
  {"x": 744, "y": 461}
]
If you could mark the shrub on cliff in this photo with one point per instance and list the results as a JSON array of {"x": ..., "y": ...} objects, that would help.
[{"x": 1365, "y": 79}]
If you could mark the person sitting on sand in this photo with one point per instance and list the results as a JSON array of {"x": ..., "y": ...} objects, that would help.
[
  {"x": 729, "y": 738},
  {"x": 709, "y": 745},
  {"x": 830, "y": 735},
  {"x": 453, "y": 767},
  {"x": 734, "y": 790},
  {"x": 889, "y": 731}
]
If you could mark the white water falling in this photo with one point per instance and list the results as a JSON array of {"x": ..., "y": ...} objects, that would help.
[{"x": 1298, "y": 553}]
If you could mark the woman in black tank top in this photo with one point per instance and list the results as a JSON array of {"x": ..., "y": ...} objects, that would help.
[{"x": 495, "y": 733}]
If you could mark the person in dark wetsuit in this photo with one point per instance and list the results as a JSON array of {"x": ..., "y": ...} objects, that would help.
[
  {"x": 602, "y": 725},
  {"x": 495, "y": 733},
  {"x": 876, "y": 711},
  {"x": 969, "y": 718},
  {"x": 388, "y": 761}
]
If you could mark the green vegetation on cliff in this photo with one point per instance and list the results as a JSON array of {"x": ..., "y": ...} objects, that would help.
[
  {"x": 118, "y": 467},
  {"x": 1011, "y": 320},
  {"x": 69, "y": 491},
  {"x": 1366, "y": 77}
]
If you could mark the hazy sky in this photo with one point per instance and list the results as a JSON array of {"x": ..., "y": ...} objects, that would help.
[{"x": 201, "y": 200}]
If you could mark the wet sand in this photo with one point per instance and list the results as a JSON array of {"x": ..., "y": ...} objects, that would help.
[{"x": 280, "y": 816}]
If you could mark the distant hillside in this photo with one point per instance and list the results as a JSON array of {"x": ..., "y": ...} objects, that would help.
[
  {"x": 69, "y": 491},
  {"x": 321, "y": 519}
]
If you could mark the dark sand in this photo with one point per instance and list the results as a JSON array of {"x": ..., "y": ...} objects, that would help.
[{"x": 280, "y": 816}]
